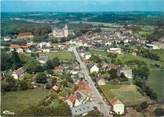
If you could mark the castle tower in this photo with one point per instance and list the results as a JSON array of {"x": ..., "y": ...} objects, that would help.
[{"x": 65, "y": 31}]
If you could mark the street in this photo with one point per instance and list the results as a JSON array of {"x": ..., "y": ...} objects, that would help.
[{"x": 98, "y": 100}]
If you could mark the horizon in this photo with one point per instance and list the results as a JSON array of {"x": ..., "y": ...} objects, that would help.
[{"x": 82, "y": 6}]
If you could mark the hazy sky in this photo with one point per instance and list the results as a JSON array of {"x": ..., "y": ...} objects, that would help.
[{"x": 81, "y": 5}]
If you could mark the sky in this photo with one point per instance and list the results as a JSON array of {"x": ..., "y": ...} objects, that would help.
[{"x": 81, "y": 5}]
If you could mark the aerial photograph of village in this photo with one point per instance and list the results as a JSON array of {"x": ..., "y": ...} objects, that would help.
[{"x": 82, "y": 58}]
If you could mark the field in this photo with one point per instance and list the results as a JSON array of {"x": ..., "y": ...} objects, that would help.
[
  {"x": 19, "y": 100},
  {"x": 156, "y": 82},
  {"x": 62, "y": 55},
  {"x": 98, "y": 52},
  {"x": 128, "y": 94},
  {"x": 127, "y": 57},
  {"x": 160, "y": 53}
]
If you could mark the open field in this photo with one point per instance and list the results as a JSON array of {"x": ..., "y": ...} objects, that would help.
[
  {"x": 156, "y": 82},
  {"x": 127, "y": 57},
  {"x": 98, "y": 52},
  {"x": 128, "y": 94},
  {"x": 62, "y": 55},
  {"x": 19, "y": 100},
  {"x": 160, "y": 53}
]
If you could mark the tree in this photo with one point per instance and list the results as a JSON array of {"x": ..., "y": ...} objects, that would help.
[
  {"x": 16, "y": 60},
  {"x": 52, "y": 63},
  {"x": 113, "y": 73},
  {"x": 23, "y": 85},
  {"x": 95, "y": 59},
  {"x": 142, "y": 106},
  {"x": 41, "y": 78},
  {"x": 9, "y": 84},
  {"x": 6, "y": 60}
]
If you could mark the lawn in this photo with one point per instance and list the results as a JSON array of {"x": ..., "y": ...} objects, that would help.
[
  {"x": 62, "y": 55},
  {"x": 156, "y": 82},
  {"x": 19, "y": 100},
  {"x": 128, "y": 94}
]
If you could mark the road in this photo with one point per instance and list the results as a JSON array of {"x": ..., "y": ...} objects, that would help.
[{"x": 98, "y": 100}]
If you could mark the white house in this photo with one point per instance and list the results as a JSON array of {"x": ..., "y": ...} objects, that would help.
[
  {"x": 101, "y": 81},
  {"x": 87, "y": 56},
  {"x": 94, "y": 68},
  {"x": 115, "y": 50},
  {"x": 19, "y": 50},
  {"x": 7, "y": 38},
  {"x": 18, "y": 73},
  {"x": 118, "y": 106}
]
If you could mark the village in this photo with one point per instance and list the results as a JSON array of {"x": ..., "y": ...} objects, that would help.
[{"x": 88, "y": 73}]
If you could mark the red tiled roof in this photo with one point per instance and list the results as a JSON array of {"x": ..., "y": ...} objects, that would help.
[
  {"x": 16, "y": 46},
  {"x": 25, "y": 34},
  {"x": 82, "y": 85},
  {"x": 72, "y": 98}
]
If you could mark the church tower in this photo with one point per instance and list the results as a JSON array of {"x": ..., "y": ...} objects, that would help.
[{"x": 66, "y": 31}]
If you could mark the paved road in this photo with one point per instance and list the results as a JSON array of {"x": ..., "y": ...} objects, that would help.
[{"x": 98, "y": 100}]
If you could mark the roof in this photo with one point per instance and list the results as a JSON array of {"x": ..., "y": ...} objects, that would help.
[
  {"x": 25, "y": 34},
  {"x": 16, "y": 46},
  {"x": 116, "y": 101},
  {"x": 19, "y": 71},
  {"x": 83, "y": 85},
  {"x": 72, "y": 98}
]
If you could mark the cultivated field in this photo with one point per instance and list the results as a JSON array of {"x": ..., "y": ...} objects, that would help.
[
  {"x": 128, "y": 94},
  {"x": 19, "y": 100}
]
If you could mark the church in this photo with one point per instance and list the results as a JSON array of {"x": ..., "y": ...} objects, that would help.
[{"x": 59, "y": 33}]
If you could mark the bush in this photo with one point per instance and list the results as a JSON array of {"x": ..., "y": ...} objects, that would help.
[
  {"x": 41, "y": 78},
  {"x": 159, "y": 112}
]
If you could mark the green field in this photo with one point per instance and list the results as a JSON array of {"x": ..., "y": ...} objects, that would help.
[
  {"x": 128, "y": 94},
  {"x": 62, "y": 55},
  {"x": 127, "y": 57},
  {"x": 156, "y": 82},
  {"x": 19, "y": 100},
  {"x": 160, "y": 53},
  {"x": 98, "y": 52}
]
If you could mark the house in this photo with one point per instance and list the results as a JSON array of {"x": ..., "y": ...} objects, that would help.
[
  {"x": 115, "y": 50},
  {"x": 126, "y": 71},
  {"x": 81, "y": 98},
  {"x": 55, "y": 88},
  {"x": 94, "y": 69},
  {"x": 7, "y": 38},
  {"x": 87, "y": 56},
  {"x": 19, "y": 50},
  {"x": 118, "y": 106},
  {"x": 84, "y": 87},
  {"x": 42, "y": 59},
  {"x": 44, "y": 45},
  {"x": 71, "y": 100},
  {"x": 101, "y": 81},
  {"x": 59, "y": 69},
  {"x": 18, "y": 73},
  {"x": 25, "y": 35},
  {"x": 46, "y": 50},
  {"x": 16, "y": 46}
]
